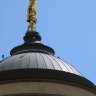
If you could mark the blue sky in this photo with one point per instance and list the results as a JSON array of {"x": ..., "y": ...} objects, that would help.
[{"x": 68, "y": 26}]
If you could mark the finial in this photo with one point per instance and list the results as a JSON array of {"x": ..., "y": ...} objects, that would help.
[
  {"x": 3, "y": 56},
  {"x": 31, "y": 15}
]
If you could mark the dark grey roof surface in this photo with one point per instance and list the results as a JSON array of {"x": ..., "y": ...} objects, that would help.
[{"x": 38, "y": 61}]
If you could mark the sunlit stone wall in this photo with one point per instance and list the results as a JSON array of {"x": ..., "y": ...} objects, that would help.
[{"x": 42, "y": 88}]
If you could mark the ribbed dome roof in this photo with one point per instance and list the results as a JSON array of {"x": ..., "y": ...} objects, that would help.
[{"x": 38, "y": 61}]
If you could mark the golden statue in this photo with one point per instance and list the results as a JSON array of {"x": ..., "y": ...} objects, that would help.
[{"x": 31, "y": 15}]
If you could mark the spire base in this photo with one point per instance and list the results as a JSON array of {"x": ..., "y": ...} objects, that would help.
[
  {"x": 32, "y": 44},
  {"x": 32, "y": 37}
]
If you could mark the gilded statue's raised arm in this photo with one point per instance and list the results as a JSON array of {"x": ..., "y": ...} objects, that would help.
[{"x": 31, "y": 15}]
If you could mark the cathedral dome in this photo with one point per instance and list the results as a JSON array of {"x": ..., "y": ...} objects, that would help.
[{"x": 33, "y": 60}]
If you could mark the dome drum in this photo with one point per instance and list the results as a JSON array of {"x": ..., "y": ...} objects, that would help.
[{"x": 46, "y": 75}]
